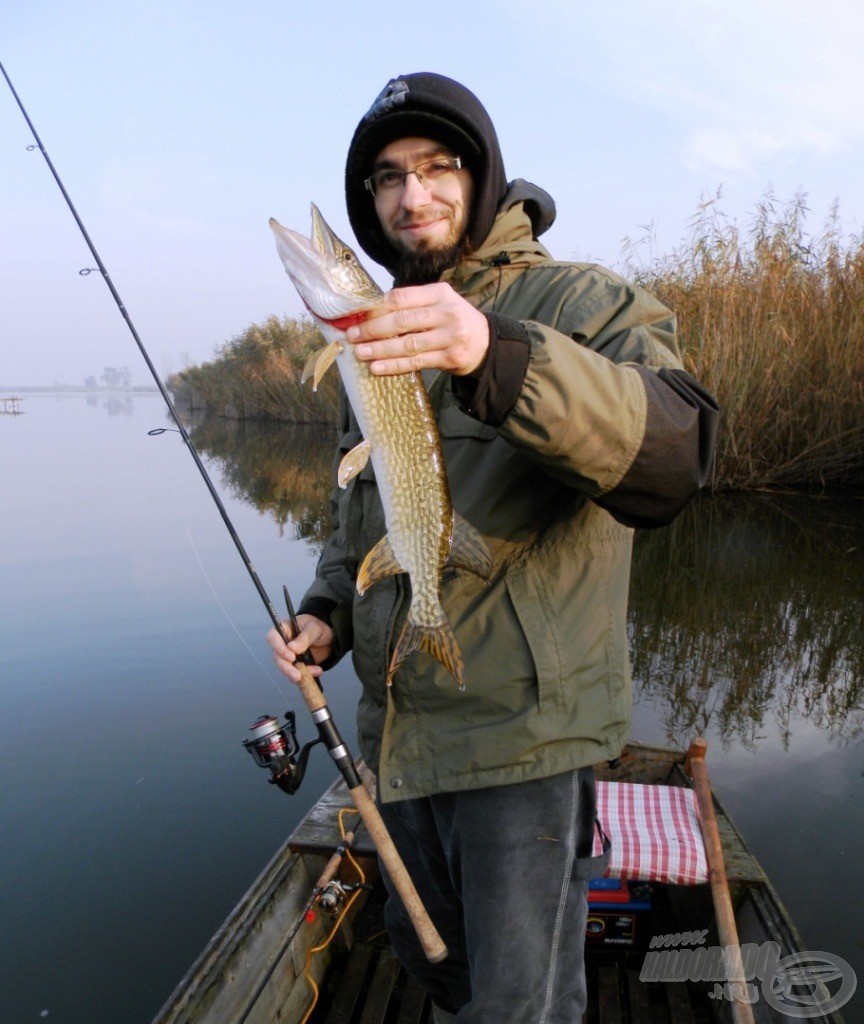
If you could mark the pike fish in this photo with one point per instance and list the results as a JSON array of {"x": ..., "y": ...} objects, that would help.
[{"x": 400, "y": 437}]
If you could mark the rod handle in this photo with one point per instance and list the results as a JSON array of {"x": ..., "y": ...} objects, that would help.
[
  {"x": 311, "y": 692},
  {"x": 432, "y": 943},
  {"x": 335, "y": 862},
  {"x": 427, "y": 933}
]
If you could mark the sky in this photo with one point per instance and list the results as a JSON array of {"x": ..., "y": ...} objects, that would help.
[{"x": 179, "y": 127}]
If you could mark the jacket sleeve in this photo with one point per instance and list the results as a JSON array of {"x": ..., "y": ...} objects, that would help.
[
  {"x": 675, "y": 456},
  {"x": 614, "y": 415}
]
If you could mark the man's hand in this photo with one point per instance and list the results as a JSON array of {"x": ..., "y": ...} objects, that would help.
[
  {"x": 315, "y": 636},
  {"x": 422, "y": 327}
]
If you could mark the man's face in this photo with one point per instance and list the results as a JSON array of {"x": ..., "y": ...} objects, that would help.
[{"x": 423, "y": 217}]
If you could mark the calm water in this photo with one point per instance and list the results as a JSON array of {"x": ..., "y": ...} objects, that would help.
[{"x": 133, "y": 661}]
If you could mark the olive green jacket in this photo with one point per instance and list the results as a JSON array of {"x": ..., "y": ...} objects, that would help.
[{"x": 547, "y": 685}]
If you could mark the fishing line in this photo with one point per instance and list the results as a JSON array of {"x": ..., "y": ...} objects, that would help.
[
  {"x": 155, "y": 432},
  {"x": 214, "y": 494},
  {"x": 231, "y": 622}
]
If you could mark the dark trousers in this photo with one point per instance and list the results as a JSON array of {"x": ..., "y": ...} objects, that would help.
[{"x": 502, "y": 872}]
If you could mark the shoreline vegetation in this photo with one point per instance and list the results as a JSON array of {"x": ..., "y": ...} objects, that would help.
[{"x": 771, "y": 319}]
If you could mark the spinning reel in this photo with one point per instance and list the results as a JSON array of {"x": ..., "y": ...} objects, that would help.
[{"x": 275, "y": 746}]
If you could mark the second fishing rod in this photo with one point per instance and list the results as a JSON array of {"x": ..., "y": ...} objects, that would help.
[{"x": 279, "y": 756}]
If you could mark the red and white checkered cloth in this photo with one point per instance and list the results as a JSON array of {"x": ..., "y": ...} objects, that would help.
[{"x": 655, "y": 833}]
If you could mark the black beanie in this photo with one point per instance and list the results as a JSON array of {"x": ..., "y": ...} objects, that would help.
[{"x": 428, "y": 106}]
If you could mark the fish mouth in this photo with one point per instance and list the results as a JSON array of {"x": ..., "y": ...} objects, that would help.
[
  {"x": 313, "y": 267},
  {"x": 325, "y": 271},
  {"x": 323, "y": 243},
  {"x": 324, "y": 239},
  {"x": 299, "y": 255}
]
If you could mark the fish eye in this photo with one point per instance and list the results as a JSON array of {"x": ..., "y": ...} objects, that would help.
[{"x": 348, "y": 256}]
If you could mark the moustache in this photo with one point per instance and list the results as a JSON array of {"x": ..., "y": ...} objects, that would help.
[{"x": 411, "y": 220}]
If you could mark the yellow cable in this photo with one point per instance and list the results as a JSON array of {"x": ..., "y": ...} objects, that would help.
[{"x": 307, "y": 970}]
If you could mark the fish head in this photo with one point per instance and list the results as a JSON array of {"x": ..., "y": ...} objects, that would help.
[{"x": 325, "y": 271}]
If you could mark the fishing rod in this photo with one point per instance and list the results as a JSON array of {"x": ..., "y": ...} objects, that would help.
[
  {"x": 330, "y": 895},
  {"x": 310, "y": 689},
  {"x": 162, "y": 390}
]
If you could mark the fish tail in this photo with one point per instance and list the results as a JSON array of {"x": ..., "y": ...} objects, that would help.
[{"x": 439, "y": 641}]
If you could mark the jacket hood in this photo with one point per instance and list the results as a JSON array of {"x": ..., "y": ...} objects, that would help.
[
  {"x": 430, "y": 106},
  {"x": 525, "y": 212},
  {"x": 511, "y": 245},
  {"x": 539, "y": 205}
]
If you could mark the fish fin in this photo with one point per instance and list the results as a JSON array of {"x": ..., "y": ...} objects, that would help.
[
  {"x": 439, "y": 641},
  {"x": 353, "y": 463},
  {"x": 469, "y": 550},
  {"x": 320, "y": 362},
  {"x": 309, "y": 367},
  {"x": 380, "y": 562}
]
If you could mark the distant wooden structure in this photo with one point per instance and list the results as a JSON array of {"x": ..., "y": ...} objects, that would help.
[{"x": 11, "y": 406}]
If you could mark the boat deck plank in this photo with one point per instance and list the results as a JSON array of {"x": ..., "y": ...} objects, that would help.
[
  {"x": 380, "y": 991},
  {"x": 637, "y": 997},
  {"x": 680, "y": 1010},
  {"x": 608, "y": 996},
  {"x": 351, "y": 986},
  {"x": 372, "y": 989},
  {"x": 414, "y": 1008},
  {"x": 617, "y": 995},
  {"x": 319, "y": 830}
]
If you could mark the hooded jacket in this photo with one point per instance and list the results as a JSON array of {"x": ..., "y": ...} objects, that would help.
[
  {"x": 582, "y": 425},
  {"x": 425, "y": 105}
]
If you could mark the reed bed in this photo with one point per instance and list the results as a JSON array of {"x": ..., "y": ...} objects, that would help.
[
  {"x": 257, "y": 376},
  {"x": 771, "y": 319}
]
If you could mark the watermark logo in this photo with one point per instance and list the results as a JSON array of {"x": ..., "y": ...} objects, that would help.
[
  {"x": 810, "y": 983},
  {"x": 800, "y": 986}
]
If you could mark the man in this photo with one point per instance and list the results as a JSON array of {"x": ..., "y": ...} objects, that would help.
[{"x": 566, "y": 420}]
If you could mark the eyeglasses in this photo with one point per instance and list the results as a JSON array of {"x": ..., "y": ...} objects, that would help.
[{"x": 388, "y": 179}]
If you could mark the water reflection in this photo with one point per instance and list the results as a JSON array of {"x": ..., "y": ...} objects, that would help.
[
  {"x": 745, "y": 609},
  {"x": 282, "y": 470},
  {"x": 115, "y": 404},
  {"x": 748, "y": 609}
]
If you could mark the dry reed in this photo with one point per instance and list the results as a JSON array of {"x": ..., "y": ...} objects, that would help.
[
  {"x": 773, "y": 322},
  {"x": 256, "y": 376}
]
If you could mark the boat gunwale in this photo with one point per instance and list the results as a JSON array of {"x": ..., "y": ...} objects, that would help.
[{"x": 309, "y": 846}]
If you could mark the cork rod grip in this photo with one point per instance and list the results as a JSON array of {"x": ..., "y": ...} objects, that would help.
[
  {"x": 433, "y": 945},
  {"x": 431, "y": 941}
]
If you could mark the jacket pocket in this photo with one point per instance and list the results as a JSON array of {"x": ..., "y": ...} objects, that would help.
[{"x": 531, "y": 602}]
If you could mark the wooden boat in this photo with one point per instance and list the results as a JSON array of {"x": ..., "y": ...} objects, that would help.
[{"x": 258, "y": 966}]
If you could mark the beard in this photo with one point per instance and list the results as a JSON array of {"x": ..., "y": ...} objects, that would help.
[
  {"x": 424, "y": 266},
  {"x": 426, "y": 263}
]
